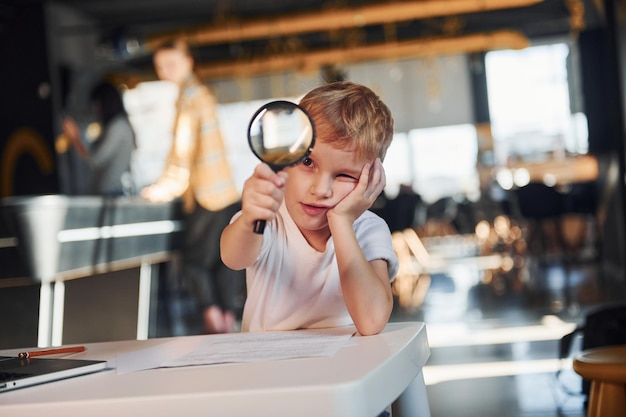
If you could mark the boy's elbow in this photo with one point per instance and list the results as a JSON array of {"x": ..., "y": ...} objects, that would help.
[
  {"x": 370, "y": 330},
  {"x": 372, "y": 325},
  {"x": 226, "y": 262},
  {"x": 374, "y": 320},
  {"x": 235, "y": 259},
  {"x": 231, "y": 262}
]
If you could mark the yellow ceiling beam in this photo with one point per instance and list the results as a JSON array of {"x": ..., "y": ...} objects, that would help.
[
  {"x": 308, "y": 61},
  {"x": 333, "y": 19}
]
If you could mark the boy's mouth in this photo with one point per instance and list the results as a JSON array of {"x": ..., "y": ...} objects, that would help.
[{"x": 313, "y": 210}]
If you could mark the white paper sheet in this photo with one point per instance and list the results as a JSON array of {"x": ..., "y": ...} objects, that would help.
[
  {"x": 270, "y": 346},
  {"x": 152, "y": 357}
]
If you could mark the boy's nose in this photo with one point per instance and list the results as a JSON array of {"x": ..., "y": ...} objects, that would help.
[{"x": 321, "y": 186}]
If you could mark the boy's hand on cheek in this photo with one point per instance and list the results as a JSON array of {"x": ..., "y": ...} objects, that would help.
[
  {"x": 371, "y": 183},
  {"x": 262, "y": 194}
]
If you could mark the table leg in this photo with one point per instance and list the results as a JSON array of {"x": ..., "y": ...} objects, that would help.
[
  {"x": 143, "y": 310},
  {"x": 51, "y": 309},
  {"x": 44, "y": 328},
  {"x": 58, "y": 310},
  {"x": 413, "y": 402}
]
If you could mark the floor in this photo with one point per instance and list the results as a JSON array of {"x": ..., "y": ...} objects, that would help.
[{"x": 495, "y": 342}]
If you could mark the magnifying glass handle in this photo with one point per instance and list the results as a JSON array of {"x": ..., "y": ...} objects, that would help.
[{"x": 259, "y": 227}]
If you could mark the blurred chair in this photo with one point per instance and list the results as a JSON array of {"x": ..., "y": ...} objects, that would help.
[
  {"x": 543, "y": 208},
  {"x": 412, "y": 281},
  {"x": 417, "y": 264},
  {"x": 440, "y": 218},
  {"x": 580, "y": 223},
  {"x": 402, "y": 211}
]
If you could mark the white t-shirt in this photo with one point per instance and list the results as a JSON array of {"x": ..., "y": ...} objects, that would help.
[{"x": 293, "y": 286}]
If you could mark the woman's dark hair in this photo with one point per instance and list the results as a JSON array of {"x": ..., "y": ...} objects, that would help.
[{"x": 110, "y": 100}]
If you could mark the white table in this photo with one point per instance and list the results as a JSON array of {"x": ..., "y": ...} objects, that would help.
[{"x": 360, "y": 380}]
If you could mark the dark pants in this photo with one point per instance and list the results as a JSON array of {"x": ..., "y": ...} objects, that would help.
[{"x": 204, "y": 280}]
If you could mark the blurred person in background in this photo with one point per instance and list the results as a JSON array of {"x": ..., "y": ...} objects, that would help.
[
  {"x": 109, "y": 155},
  {"x": 197, "y": 169}
]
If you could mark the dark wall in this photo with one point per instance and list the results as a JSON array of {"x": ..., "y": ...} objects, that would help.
[
  {"x": 603, "y": 58},
  {"x": 27, "y": 157},
  {"x": 600, "y": 93}
]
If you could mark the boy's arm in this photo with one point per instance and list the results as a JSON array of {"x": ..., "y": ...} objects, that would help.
[
  {"x": 365, "y": 285},
  {"x": 239, "y": 245},
  {"x": 261, "y": 197}
]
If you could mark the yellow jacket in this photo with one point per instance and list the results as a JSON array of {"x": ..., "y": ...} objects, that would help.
[{"x": 197, "y": 166}]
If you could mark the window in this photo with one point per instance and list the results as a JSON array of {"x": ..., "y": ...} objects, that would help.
[
  {"x": 529, "y": 104},
  {"x": 441, "y": 163}
]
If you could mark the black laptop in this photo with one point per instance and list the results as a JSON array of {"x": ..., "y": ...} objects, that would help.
[{"x": 18, "y": 373}]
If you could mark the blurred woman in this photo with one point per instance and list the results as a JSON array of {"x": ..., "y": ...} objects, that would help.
[
  {"x": 199, "y": 172},
  {"x": 109, "y": 156}
]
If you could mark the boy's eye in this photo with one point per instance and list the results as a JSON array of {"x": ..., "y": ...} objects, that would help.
[
  {"x": 348, "y": 177},
  {"x": 307, "y": 162}
]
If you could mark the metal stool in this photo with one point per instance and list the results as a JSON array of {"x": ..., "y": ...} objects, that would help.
[{"x": 605, "y": 367}]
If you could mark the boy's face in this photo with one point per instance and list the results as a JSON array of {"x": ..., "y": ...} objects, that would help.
[
  {"x": 318, "y": 184},
  {"x": 172, "y": 65}
]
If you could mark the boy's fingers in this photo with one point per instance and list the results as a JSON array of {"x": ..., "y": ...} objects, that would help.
[
  {"x": 364, "y": 179},
  {"x": 265, "y": 172},
  {"x": 380, "y": 172},
  {"x": 376, "y": 181}
]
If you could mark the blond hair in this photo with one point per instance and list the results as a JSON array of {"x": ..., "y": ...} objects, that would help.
[{"x": 351, "y": 116}]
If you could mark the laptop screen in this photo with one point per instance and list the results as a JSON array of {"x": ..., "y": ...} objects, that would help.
[{"x": 18, "y": 373}]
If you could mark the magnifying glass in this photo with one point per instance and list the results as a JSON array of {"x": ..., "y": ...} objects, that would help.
[{"x": 281, "y": 133}]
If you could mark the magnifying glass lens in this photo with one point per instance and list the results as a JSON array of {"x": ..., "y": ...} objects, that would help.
[{"x": 281, "y": 133}]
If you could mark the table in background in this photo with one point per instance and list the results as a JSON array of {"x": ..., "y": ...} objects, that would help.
[
  {"x": 360, "y": 380},
  {"x": 557, "y": 171},
  {"x": 62, "y": 238}
]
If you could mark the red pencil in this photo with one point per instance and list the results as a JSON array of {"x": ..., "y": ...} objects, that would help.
[{"x": 73, "y": 349}]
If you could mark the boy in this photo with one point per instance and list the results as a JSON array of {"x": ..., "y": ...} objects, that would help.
[{"x": 323, "y": 260}]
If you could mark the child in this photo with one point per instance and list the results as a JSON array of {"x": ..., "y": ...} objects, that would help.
[{"x": 323, "y": 260}]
